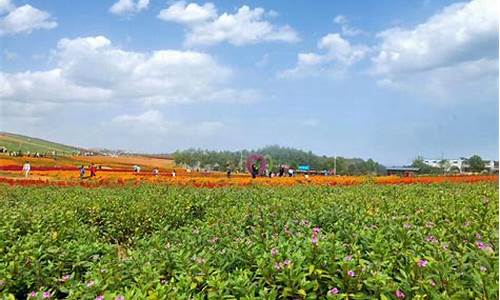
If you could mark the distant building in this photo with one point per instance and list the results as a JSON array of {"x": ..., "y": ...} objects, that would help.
[
  {"x": 460, "y": 164},
  {"x": 491, "y": 166},
  {"x": 402, "y": 171}
]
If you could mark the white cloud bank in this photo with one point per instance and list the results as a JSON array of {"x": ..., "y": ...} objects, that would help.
[
  {"x": 337, "y": 51},
  {"x": 246, "y": 26},
  {"x": 128, "y": 7},
  {"x": 347, "y": 29},
  {"x": 460, "y": 32},
  {"x": 154, "y": 122},
  {"x": 454, "y": 49},
  {"x": 92, "y": 70},
  {"x": 23, "y": 19}
]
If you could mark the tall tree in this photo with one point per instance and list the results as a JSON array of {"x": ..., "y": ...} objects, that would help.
[{"x": 476, "y": 163}]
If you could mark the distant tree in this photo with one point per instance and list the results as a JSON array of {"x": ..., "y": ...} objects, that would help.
[
  {"x": 425, "y": 168},
  {"x": 445, "y": 165},
  {"x": 476, "y": 163}
]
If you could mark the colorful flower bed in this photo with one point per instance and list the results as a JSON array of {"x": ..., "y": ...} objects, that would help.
[
  {"x": 121, "y": 177},
  {"x": 432, "y": 241}
]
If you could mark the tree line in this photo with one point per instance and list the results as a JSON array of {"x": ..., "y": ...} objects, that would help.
[{"x": 276, "y": 156}]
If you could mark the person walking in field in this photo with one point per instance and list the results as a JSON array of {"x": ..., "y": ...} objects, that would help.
[
  {"x": 229, "y": 171},
  {"x": 155, "y": 172},
  {"x": 26, "y": 169},
  {"x": 255, "y": 171},
  {"x": 173, "y": 173},
  {"x": 92, "y": 170},
  {"x": 82, "y": 172},
  {"x": 281, "y": 171}
]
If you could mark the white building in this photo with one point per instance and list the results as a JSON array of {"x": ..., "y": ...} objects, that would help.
[
  {"x": 448, "y": 164},
  {"x": 461, "y": 164}
]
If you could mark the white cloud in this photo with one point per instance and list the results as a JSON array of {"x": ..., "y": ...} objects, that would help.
[
  {"x": 6, "y": 6},
  {"x": 465, "y": 81},
  {"x": 154, "y": 122},
  {"x": 191, "y": 13},
  {"x": 246, "y": 26},
  {"x": 23, "y": 19},
  {"x": 342, "y": 50},
  {"x": 453, "y": 56},
  {"x": 338, "y": 53},
  {"x": 347, "y": 29},
  {"x": 128, "y": 7},
  {"x": 92, "y": 70},
  {"x": 437, "y": 59},
  {"x": 460, "y": 32}
]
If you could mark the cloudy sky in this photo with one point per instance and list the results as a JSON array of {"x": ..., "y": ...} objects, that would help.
[{"x": 387, "y": 80}]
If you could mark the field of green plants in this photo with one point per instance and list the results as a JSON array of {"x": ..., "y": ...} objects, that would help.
[{"x": 164, "y": 242}]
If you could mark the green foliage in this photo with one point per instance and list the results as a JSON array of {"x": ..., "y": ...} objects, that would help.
[
  {"x": 476, "y": 163},
  {"x": 156, "y": 242},
  {"x": 425, "y": 168}
]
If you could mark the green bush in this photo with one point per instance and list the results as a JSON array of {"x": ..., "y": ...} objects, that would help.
[{"x": 156, "y": 242}]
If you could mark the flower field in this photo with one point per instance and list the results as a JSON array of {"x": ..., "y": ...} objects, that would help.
[
  {"x": 121, "y": 177},
  {"x": 156, "y": 241}
]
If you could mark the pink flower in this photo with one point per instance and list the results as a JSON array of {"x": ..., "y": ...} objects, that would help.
[
  {"x": 287, "y": 262},
  {"x": 32, "y": 294},
  {"x": 480, "y": 245},
  {"x": 120, "y": 297},
  {"x": 46, "y": 295},
  {"x": 333, "y": 291},
  {"x": 351, "y": 273},
  {"x": 65, "y": 278},
  {"x": 422, "y": 263},
  {"x": 431, "y": 239},
  {"x": 100, "y": 297},
  {"x": 90, "y": 283},
  {"x": 277, "y": 266},
  {"x": 348, "y": 258},
  {"x": 433, "y": 283},
  {"x": 400, "y": 294},
  {"x": 316, "y": 230},
  {"x": 314, "y": 240},
  {"x": 274, "y": 252},
  {"x": 478, "y": 236}
]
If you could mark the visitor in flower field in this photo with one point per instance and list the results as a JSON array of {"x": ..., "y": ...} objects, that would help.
[
  {"x": 92, "y": 170},
  {"x": 229, "y": 170},
  {"x": 255, "y": 171},
  {"x": 282, "y": 171},
  {"x": 173, "y": 173},
  {"x": 155, "y": 172},
  {"x": 26, "y": 169},
  {"x": 82, "y": 171}
]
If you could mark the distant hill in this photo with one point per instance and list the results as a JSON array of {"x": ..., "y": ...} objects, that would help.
[{"x": 16, "y": 142}]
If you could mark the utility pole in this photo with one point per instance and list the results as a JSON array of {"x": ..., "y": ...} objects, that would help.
[
  {"x": 335, "y": 165},
  {"x": 241, "y": 161}
]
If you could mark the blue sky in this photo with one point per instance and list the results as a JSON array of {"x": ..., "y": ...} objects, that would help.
[{"x": 387, "y": 80}]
